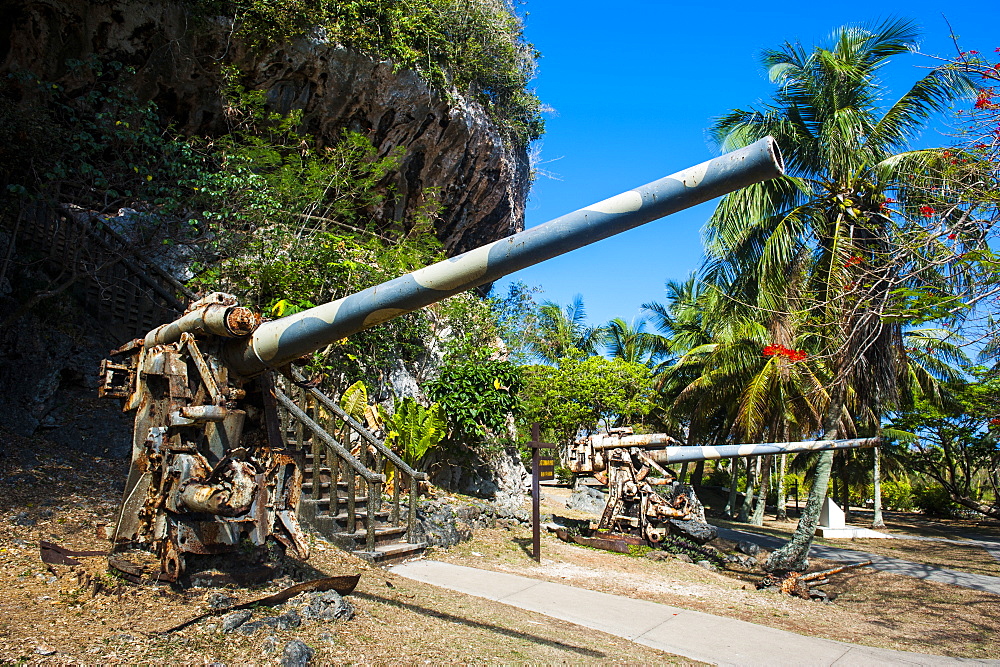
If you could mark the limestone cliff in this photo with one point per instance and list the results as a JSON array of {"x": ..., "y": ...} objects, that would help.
[
  {"x": 481, "y": 180},
  {"x": 48, "y": 365}
]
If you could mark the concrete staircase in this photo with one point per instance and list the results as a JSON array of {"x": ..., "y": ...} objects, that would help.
[{"x": 342, "y": 488}]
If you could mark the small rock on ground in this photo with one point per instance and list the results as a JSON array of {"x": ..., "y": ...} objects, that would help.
[
  {"x": 234, "y": 620},
  {"x": 324, "y": 606},
  {"x": 296, "y": 654},
  {"x": 217, "y": 600}
]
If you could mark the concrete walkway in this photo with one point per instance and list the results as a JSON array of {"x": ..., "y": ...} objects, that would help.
[
  {"x": 979, "y": 582},
  {"x": 690, "y": 634}
]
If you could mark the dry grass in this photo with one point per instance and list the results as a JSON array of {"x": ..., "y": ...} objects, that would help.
[
  {"x": 398, "y": 621},
  {"x": 868, "y": 607},
  {"x": 401, "y": 621}
]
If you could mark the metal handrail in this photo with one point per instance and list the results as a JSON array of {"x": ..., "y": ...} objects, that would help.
[
  {"x": 361, "y": 430},
  {"x": 327, "y": 439}
]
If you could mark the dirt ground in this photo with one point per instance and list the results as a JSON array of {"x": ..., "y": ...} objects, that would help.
[
  {"x": 52, "y": 614},
  {"x": 868, "y": 606}
]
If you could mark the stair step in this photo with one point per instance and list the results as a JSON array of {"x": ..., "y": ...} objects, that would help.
[
  {"x": 359, "y": 515},
  {"x": 390, "y": 554},
  {"x": 381, "y": 533}
]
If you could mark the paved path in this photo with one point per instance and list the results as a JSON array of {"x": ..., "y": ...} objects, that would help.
[
  {"x": 979, "y": 582},
  {"x": 691, "y": 634}
]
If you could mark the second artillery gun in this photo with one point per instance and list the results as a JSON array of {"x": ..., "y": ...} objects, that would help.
[
  {"x": 210, "y": 471},
  {"x": 646, "y": 502}
]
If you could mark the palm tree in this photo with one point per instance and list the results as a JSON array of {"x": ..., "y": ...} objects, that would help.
[
  {"x": 631, "y": 342},
  {"x": 560, "y": 330},
  {"x": 821, "y": 242}
]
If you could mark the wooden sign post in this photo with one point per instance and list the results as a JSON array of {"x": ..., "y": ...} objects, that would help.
[{"x": 540, "y": 469}]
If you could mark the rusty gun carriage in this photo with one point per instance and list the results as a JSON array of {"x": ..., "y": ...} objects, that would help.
[{"x": 649, "y": 507}]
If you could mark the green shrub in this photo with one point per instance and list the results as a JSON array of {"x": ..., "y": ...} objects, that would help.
[
  {"x": 478, "y": 394},
  {"x": 897, "y": 495},
  {"x": 934, "y": 500}
]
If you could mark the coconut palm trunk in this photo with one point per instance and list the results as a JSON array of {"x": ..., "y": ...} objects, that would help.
[
  {"x": 729, "y": 509},
  {"x": 746, "y": 507},
  {"x": 794, "y": 556},
  {"x": 782, "y": 513},
  {"x": 877, "y": 521},
  {"x": 757, "y": 519}
]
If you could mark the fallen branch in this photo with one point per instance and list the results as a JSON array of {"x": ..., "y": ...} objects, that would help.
[{"x": 796, "y": 583}]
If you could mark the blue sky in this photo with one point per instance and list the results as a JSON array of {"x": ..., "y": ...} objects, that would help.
[{"x": 635, "y": 84}]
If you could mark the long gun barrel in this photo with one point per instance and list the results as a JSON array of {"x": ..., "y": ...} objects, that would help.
[
  {"x": 276, "y": 343},
  {"x": 589, "y": 455},
  {"x": 686, "y": 454},
  {"x": 211, "y": 466}
]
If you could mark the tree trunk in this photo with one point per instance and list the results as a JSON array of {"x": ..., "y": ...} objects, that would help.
[
  {"x": 684, "y": 473},
  {"x": 782, "y": 514},
  {"x": 765, "y": 482},
  {"x": 845, "y": 489},
  {"x": 877, "y": 521},
  {"x": 733, "y": 480},
  {"x": 747, "y": 507},
  {"x": 794, "y": 555},
  {"x": 698, "y": 474}
]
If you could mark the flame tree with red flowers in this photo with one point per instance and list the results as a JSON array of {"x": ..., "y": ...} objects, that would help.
[{"x": 829, "y": 252}]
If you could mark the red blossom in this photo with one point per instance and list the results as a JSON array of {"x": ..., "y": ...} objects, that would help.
[
  {"x": 952, "y": 237},
  {"x": 854, "y": 260},
  {"x": 890, "y": 200},
  {"x": 926, "y": 211},
  {"x": 775, "y": 350}
]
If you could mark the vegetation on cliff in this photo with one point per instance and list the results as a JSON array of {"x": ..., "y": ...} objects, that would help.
[{"x": 474, "y": 48}]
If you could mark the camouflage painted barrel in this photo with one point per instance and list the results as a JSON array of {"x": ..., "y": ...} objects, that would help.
[
  {"x": 276, "y": 343},
  {"x": 686, "y": 454},
  {"x": 590, "y": 455}
]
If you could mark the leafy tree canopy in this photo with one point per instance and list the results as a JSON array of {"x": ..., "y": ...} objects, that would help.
[{"x": 583, "y": 391}]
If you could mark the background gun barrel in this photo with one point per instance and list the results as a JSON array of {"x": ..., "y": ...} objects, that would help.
[
  {"x": 685, "y": 454},
  {"x": 276, "y": 343}
]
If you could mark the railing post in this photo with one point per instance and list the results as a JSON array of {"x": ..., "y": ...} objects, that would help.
[
  {"x": 299, "y": 428},
  {"x": 352, "y": 518},
  {"x": 373, "y": 491},
  {"x": 411, "y": 520},
  {"x": 397, "y": 477}
]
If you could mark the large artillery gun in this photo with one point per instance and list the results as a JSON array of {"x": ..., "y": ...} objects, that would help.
[
  {"x": 646, "y": 502},
  {"x": 210, "y": 470}
]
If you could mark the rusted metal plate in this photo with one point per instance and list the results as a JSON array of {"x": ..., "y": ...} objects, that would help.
[
  {"x": 607, "y": 541},
  {"x": 53, "y": 554}
]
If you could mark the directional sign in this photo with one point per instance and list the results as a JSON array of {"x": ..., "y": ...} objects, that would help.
[
  {"x": 541, "y": 468},
  {"x": 546, "y": 468}
]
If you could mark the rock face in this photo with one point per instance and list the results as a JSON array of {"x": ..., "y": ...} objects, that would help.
[
  {"x": 503, "y": 478},
  {"x": 480, "y": 180},
  {"x": 587, "y": 499},
  {"x": 445, "y": 523},
  {"x": 47, "y": 378}
]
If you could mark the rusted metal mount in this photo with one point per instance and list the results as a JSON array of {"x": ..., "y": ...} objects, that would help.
[
  {"x": 635, "y": 505},
  {"x": 207, "y": 475}
]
